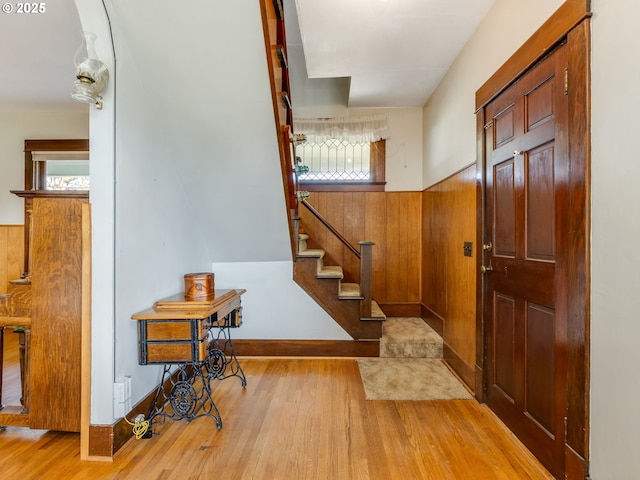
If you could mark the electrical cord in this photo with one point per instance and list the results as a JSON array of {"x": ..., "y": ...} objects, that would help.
[{"x": 140, "y": 427}]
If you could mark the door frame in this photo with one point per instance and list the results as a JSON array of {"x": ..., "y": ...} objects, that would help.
[{"x": 570, "y": 24}]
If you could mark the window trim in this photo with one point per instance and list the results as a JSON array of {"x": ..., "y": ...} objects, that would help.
[{"x": 376, "y": 184}]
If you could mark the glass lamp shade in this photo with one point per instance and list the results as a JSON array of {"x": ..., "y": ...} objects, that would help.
[
  {"x": 92, "y": 75},
  {"x": 84, "y": 90}
]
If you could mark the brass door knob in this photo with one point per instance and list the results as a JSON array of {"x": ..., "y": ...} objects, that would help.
[{"x": 485, "y": 269}]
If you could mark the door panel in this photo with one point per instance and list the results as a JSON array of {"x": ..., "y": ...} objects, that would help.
[
  {"x": 505, "y": 207},
  {"x": 504, "y": 365},
  {"x": 540, "y": 205},
  {"x": 539, "y": 360},
  {"x": 525, "y": 212}
]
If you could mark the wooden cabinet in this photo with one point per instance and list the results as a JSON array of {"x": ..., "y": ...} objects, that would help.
[{"x": 56, "y": 253}]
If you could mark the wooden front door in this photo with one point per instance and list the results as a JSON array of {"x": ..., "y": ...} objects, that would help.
[{"x": 526, "y": 224}]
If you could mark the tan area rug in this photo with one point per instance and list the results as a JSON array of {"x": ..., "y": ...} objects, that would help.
[{"x": 410, "y": 379}]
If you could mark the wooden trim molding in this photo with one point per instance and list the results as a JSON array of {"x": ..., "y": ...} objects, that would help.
[
  {"x": 434, "y": 320},
  {"x": 34, "y": 176},
  {"x": 570, "y": 14},
  {"x": 106, "y": 440},
  {"x": 481, "y": 145},
  {"x": 402, "y": 309},
  {"x": 459, "y": 366},
  {"x": 579, "y": 266},
  {"x": 341, "y": 187},
  {"x": 307, "y": 348},
  {"x": 85, "y": 347}
]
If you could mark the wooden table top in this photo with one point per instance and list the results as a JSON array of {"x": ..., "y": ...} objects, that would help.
[{"x": 176, "y": 307}]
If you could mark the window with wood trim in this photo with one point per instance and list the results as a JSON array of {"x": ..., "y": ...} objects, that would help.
[{"x": 340, "y": 165}]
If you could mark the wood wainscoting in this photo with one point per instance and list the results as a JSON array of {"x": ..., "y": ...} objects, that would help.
[
  {"x": 389, "y": 219},
  {"x": 11, "y": 254},
  {"x": 448, "y": 276}
]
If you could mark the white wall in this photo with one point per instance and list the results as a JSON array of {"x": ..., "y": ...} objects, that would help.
[
  {"x": 102, "y": 141},
  {"x": 274, "y": 306},
  {"x": 449, "y": 122},
  {"x": 15, "y": 128},
  {"x": 404, "y": 146},
  {"x": 615, "y": 280}
]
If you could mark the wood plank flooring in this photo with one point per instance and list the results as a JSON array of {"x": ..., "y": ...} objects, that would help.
[{"x": 296, "y": 419}]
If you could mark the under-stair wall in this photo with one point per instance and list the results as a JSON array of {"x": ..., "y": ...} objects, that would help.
[
  {"x": 448, "y": 276},
  {"x": 391, "y": 220}
]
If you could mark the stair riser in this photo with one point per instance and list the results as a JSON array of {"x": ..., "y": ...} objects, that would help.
[{"x": 410, "y": 349}]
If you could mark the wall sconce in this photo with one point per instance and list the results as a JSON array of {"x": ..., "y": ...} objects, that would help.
[{"x": 92, "y": 75}]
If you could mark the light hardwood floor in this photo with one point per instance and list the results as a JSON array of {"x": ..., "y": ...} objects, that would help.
[{"x": 296, "y": 419}]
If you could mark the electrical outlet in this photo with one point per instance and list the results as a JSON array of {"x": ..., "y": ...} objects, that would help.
[
  {"x": 122, "y": 389},
  {"x": 468, "y": 249}
]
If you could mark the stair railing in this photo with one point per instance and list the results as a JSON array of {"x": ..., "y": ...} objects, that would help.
[
  {"x": 366, "y": 260},
  {"x": 364, "y": 255},
  {"x": 330, "y": 227}
]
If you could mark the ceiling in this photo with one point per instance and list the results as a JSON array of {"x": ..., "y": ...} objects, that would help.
[
  {"x": 362, "y": 53},
  {"x": 394, "y": 52},
  {"x": 36, "y": 54}
]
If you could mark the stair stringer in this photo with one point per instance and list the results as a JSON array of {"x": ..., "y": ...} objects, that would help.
[{"x": 346, "y": 312}]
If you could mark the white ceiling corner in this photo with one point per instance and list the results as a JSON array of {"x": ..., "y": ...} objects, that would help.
[
  {"x": 36, "y": 54},
  {"x": 394, "y": 51}
]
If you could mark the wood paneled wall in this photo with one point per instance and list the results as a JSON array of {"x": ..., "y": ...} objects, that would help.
[
  {"x": 449, "y": 277},
  {"x": 389, "y": 219},
  {"x": 11, "y": 254}
]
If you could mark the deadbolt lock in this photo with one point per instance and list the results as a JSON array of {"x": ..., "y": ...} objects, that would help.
[{"x": 487, "y": 246}]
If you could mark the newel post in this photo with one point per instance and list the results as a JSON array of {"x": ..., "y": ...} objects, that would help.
[{"x": 366, "y": 260}]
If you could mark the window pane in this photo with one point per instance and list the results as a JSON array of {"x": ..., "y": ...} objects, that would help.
[
  {"x": 67, "y": 174},
  {"x": 335, "y": 160}
]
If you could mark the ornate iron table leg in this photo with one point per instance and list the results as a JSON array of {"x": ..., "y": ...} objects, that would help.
[
  {"x": 222, "y": 361},
  {"x": 185, "y": 401}
]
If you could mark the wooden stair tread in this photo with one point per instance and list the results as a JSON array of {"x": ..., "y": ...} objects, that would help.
[
  {"x": 330, "y": 272},
  {"x": 311, "y": 252},
  {"x": 349, "y": 291},
  {"x": 377, "y": 315},
  {"x": 376, "y": 311}
]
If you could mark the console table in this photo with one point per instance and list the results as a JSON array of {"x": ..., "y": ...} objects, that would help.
[{"x": 195, "y": 335}]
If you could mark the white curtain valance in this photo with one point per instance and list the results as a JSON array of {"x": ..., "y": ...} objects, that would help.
[{"x": 370, "y": 128}]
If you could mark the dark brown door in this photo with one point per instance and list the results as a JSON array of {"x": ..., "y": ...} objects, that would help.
[{"x": 526, "y": 209}]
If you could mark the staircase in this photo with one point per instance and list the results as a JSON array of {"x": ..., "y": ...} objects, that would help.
[{"x": 347, "y": 303}]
